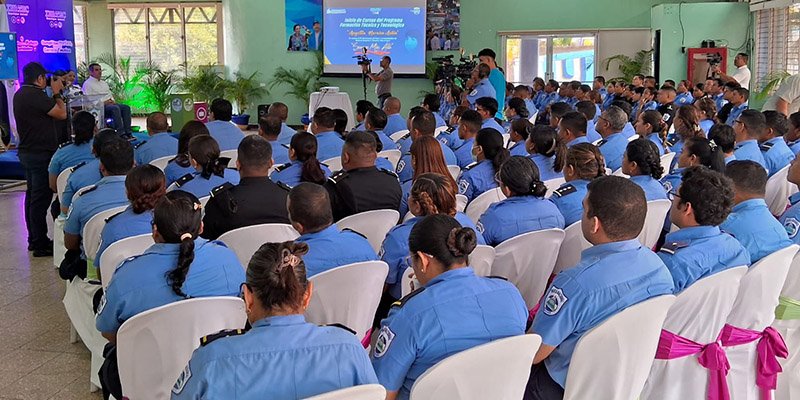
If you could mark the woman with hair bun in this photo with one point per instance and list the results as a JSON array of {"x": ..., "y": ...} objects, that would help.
[
  {"x": 454, "y": 310},
  {"x": 585, "y": 162},
  {"x": 547, "y": 150},
  {"x": 211, "y": 170},
  {"x": 282, "y": 356},
  {"x": 642, "y": 163},
  {"x": 304, "y": 165},
  {"x": 525, "y": 209}
]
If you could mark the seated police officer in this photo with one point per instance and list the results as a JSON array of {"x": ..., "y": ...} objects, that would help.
[
  {"x": 159, "y": 144},
  {"x": 699, "y": 249},
  {"x": 751, "y": 222},
  {"x": 375, "y": 120},
  {"x": 749, "y": 127},
  {"x": 255, "y": 200},
  {"x": 614, "y": 274},
  {"x": 269, "y": 127},
  {"x": 86, "y": 173},
  {"x": 282, "y": 356},
  {"x": 220, "y": 126},
  {"x": 776, "y": 152},
  {"x": 360, "y": 186},
  {"x": 791, "y": 217},
  {"x": 614, "y": 142},
  {"x": 310, "y": 214},
  {"x": 421, "y": 124}
]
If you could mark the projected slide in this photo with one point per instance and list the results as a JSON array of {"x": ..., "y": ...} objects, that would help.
[{"x": 397, "y": 30}]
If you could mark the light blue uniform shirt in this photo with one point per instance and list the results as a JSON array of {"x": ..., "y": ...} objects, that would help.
[
  {"x": 577, "y": 140},
  {"x": 518, "y": 149},
  {"x": 569, "y": 200},
  {"x": 517, "y": 215},
  {"x": 546, "y": 165},
  {"x": 603, "y": 93},
  {"x": 386, "y": 142},
  {"x": 331, "y": 248},
  {"x": 450, "y": 138},
  {"x": 174, "y": 171},
  {"x": 476, "y": 179},
  {"x": 281, "y": 357},
  {"x": 290, "y": 174},
  {"x": 613, "y": 149},
  {"x": 82, "y": 175},
  {"x": 124, "y": 225},
  {"x": 140, "y": 282},
  {"x": 285, "y": 136},
  {"x": 777, "y": 154},
  {"x": 456, "y": 311},
  {"x": 730, "y": 158},
  {"x": 156, "y": 146},
  {"x": 70, "y": 155},
  {"x": 384, "y": 164},
  {"x": 492, "y": 123},
  {"x": 672, "y": 180},
  {"x": 749, "y": 150},
  {"x": 653, "y": 189},
  {"x": 404, "y": 143},
  {"x": 406, "y": 188},
  {"x": 464, "y": 153},
  {"x": 225, "y": 133},
  {"x": 628, "y": 131},
  {"x": 591, "y": 133},
  {"x": 483, "y": 89},
  {"x": 736, "y": 111},
  {"x": 201, "y": 187},
  {"x": 650, "y": 105},
  {"x": 794, "y": 146},
  {"x": 719, "y": 101},
  {"x": 609, "y": 278},
  {"x": 791, "y": 218},
  {"x": 684, "y": 99},
  {"x": 608, "y": 100},
  {"x": 756, "y": 229},
  {"x": 706, "y": 125},
  {"x": 394, "y": 249},
  {"x": 538, "y": 99},
  {"x": 109, "y": 192},
  {"x": 531, "y": 106},
  {"x": 696, "y": 252},
  {"x": 657, "y": 140},
  {"x": 280, "y": 153},
  {"x": 440, "y": 122},
  {"x": 394, "y": 123},
  {"x": 405, "y": 171},
  {"x": 329, "y": 145}
]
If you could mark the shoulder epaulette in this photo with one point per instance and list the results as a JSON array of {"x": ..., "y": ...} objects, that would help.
[
  {"x": 388, "y": 172},
  {"x": 404, "y": 137},
  {"x": 565, "y": 190},
  {"x": 284, "y": 186},
  {"x": 400, "y": 303},
  {"x": 89, "y": 189},
  {"x": 766, "y": 146},
  {"x": 112, "y": 217},
  {"x": 82, "y": 163},
  {"x": 672, "y": 247},
  {"x": 602, "y": 142},
  {"x": 184, "y": 179},
  {"x": 286, "y": 146},
  {"x": 65, "y": 144},
  {"x": 340, "y": 326},
  {"x": 225, "y": 161},
  {"x": 205, "y": 340},
  {"x": 673, "y": 141},
  {"x": 471, "y": 166},
  {"x": 338, "y": 176},
  {"x": 356, "y": 232},
  {"x": 221, "y": 188},
  {"x": 497, "y": 277},
  {"x": 450, "y": 129},
  {"x": 139, "y": 145},
  {"x": 283, "y": 167}
]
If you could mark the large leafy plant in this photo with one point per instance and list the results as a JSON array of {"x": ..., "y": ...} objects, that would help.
[
  {"x": 157, "y": 88},
  {"x": 303, "y": 82},
  {"x": 206, "y": 83},
  {"x": 769, "y": 83},
  {"x": 125, "y": 79},
  {"x": 245, "y": 88},
  {"x": 630, "y": 66}
]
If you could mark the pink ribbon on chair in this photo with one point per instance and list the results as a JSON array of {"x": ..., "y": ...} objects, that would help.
[
  {"x": 368, "y": 338},
  {"x": 712, "y": 357},
  {"x": 770, "y": 346}
]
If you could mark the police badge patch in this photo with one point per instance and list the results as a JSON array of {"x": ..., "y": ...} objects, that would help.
[
  {"x": 792, "y": 226},
  {"x": 463, "y": 186},
  {"x": 554, "y": 300},
  {"x": 181, "y": 382},
  {"x": 400, "y": 166},
  {"x": 102, "y": 304},
  {"x": 384, "y": 340}
]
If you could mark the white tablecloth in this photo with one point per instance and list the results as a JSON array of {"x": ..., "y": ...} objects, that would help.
[{"x": 339, "y": 100}]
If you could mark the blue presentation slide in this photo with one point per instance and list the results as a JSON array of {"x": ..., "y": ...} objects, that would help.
[{"x": 397, "y": 32}]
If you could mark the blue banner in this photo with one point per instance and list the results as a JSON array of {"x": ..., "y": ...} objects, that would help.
[
  {"x": 8, "y": 56},
  {"x": 45, "y": 33}
]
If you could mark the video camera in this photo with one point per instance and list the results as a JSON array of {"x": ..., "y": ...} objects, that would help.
[
  {"x": 450, "y": 74},
  {"x": 363, "y": 59},
  {"x": 714, "y": 59}
]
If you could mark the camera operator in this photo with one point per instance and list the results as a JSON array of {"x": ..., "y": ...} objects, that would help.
[
  {"x": 383, "y": 88},
  {"x": 37, "y": 114}
]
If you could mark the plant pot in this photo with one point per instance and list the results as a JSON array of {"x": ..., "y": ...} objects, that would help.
[{"x": 241, "y": 120}]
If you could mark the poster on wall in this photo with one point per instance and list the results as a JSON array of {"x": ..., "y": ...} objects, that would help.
[
  {"x": 8, "y": 56},
  {"x": 444, "y": 25},
  {"x": 45, "y": 33},
  {"x": 304, "y": 25}
]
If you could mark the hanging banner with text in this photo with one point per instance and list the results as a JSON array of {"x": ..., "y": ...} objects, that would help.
[{"x": 45, "y": 33}]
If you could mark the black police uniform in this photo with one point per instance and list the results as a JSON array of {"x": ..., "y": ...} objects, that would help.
[
  {"x": 363, "y": 189},
  {"x": 253, "y": 201},
  {"x": 667, "y": 113}
]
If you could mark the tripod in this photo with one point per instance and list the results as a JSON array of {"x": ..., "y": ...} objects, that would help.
[{"x": 364, "y": 72}]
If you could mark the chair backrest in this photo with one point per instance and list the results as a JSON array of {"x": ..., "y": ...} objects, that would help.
[
  {"x": 120, "y": 250},
  {"x": 624, "y": 345},
  {"x": 532, "y": 119},
  {"x": 759, "y": 289},
  {"x": 439, "y": 130},
  {"x": 334, "y": 163},
  {"x": 93, "y": 229},
  {"x": 162, "y": 162},
  {"x": 481, "y": 260},
  {"x": 527, "y": 261},
  {"x": 634, "y": 137},
  {"x": 155, "y": 346},
  {"x": 348, "y": 295},
  {"x": 461, "y": 202},
  {"x": 361, "y": 392},
  {"x": 392, "y": 155},
  {"x": 397, "y": 135},
  {"x": 654, "y": 222},
  {"x": 61, "y": 183},
  {"x": 232, "y": 154},
  {"x": 619, "y": 172},
  {"x": 203, "y": 201},
  {"x": 553, "y": 184},
  {"x": 777, "y": 193},
  {"x": 454, "y": 170},
  {"x": 478, "y": 205},
  {"x": 373, "y": 224},
  {"x": 506, "y": 139},
  {"x": 666, "y": 161},
  {"x": 498, "y": 370},
  {"x": 791, "y": 287},
  {"x": 570, "y": 252},
  {"x": 246, "y": 240}
]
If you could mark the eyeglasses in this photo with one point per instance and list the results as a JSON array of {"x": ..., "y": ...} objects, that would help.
[
  {"x": 409, "y": 259},
  {"x": 241, "y": 290},
  {"x": 738, "y": 122},
  {"x": 672, "y": 194}
]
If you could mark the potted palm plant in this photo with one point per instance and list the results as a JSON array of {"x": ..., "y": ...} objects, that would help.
[
  {"x": 243, "y": 89},
  {"x": 301, "y": 83},
  {"x": 630, "y": 66},
  {"x": 205, "y": 84}
]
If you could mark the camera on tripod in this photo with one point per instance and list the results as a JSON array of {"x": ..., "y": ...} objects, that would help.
[
  {"x": 362, "y": 59},
  {"x": 450, "y": 74},
  {"x": 714, "y": 59}
]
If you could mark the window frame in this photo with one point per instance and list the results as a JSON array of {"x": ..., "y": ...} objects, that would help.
[{"x": 549, "y": 35}]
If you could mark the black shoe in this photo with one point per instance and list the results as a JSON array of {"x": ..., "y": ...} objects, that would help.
[
  {"x": 49, "y": 244},
  {"x": 43, "y": 252},
  {"x": 30, "y": 247}
]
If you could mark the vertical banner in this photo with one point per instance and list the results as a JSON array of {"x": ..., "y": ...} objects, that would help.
[
  {"x": 45, "y": 33},
  {"x": 444, "y": 25},
  {"x": 304, "y": 25},
  {"x": 8, "y": 56}
]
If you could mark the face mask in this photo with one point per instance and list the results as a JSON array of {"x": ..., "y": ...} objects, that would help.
[{"x": 474, "y": 156}]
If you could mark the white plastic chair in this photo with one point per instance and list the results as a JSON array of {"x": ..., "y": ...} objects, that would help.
[
  {"x": 118, "y": 252},
  {"x": 348, "y": 295},
  {"x": 619, "y": 172},
  {"x": 393, "y": 156},
  {"x": 334, "y": 164},
  {"x": 439, "y": 130},
  {"x": 553, "y": 184},
  {"x": 454, "y": 170},
  {"x": 61, "y": 183},
  {"x": 698, "y": 314},
  {"x": 461, "y": 202},
  {"x": 624, "y": 345},
  {"x": 778, "y": 191},
  {"x": 754, "y": 309},
  {"x": 666, "y": 161},
  {"x": 570, "y": 252},
  {"x": 233, "y": 155},
  {"x": 59, "y": 251},
  {"x": 654, "y": 222},
  {"x": 373, "y": 224},
  {"x": 93, "y": 228},
  {"x": 481, "y": 260},
  {"x": 246, "y": 241},
  {"x": 497, "y": 370},
  {"x": 361, "y": 392},
  {"x": 155, "y": 346},
  {"x": 789, "y": 380},
  {"x": 405, "y": 282},
  {"x": 478, "y": 205},
  {"x": 506, "y": 139},
  {"x": 532, "y": 119},
  {"x": 527, "y": 261},
  {"x": 162, "y": 162},
  {"x": 397, "y": 135}
]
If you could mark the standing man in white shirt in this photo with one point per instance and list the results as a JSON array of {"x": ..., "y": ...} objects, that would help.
[
  {"x": 120, "y": 113},
  {"x": 786, "y": 99},
  {"x": 742, "y": 73}
]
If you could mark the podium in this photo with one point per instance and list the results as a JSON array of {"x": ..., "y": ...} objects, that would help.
[
  {"x": 91, "y": 103},
  {"x": 340, "y": 100}
]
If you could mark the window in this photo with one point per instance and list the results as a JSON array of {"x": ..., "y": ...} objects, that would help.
[
  {"x": 79, "y": 18},
  {"x": 777, "y": 42},
  {"x": 172, "y": 36},
  {"x": 563, "y": 57}
]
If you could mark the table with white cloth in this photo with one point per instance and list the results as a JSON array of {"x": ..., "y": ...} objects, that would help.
[{"x": 333, "y": 101}]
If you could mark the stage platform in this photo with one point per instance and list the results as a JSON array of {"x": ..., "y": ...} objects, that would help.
[{"x": 10, "y": 167}]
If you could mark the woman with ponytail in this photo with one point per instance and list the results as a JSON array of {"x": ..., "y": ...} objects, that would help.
[
  {"x": 145, "y": 185},
  {"x": 519, "y": 132},
  {"x": 282, "y": 356},
  {"x": 547, "y": 151},
  {"x": 649, "y": 125},
  {"x": 642, "y": 163},
  {"x": 304, "y": 166},
  {"x": 525, "y": 209},
  {"x": 181, "y": 164},
  {"x": 430, "y": 194},
  {"x": 706, "y": 113},
  {"x": 489, "y": 154},
  {"x": 211, "y": 170},
  {"x": 687, "y": 125},
  {"x": 453, "y": 311},
  {"x": 696, "y": 151},
  {"x": 584, "y": 163}
]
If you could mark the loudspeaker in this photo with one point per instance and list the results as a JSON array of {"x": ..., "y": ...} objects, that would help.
[{"x": 262, "y": 110}]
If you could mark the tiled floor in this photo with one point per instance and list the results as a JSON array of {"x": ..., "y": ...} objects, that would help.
[{"x": 36, "y": 359}]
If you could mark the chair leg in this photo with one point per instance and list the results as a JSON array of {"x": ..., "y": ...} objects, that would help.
[{"x": 73, "y": 334}]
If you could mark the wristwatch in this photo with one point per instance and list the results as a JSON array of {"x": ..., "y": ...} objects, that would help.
[{"x": 58, "y": 96}]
